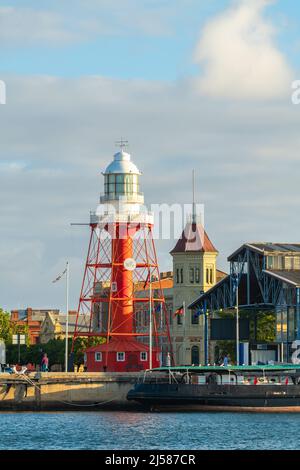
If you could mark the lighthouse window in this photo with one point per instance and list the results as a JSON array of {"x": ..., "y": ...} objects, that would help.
[
  {"x": 181, "y": 276},
  {"x": 129, "y": 184},
  {"x": 143, "y": 356},
  {"x": 120, "y": 188},
  {"x": 197, "y": 276},
  {"x": 120, "y": 356},
  {"x": 98, "y": 357},
  {"x": 192, "y": 275}
]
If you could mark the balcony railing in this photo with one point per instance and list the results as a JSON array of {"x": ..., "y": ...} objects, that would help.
[{"x": 135, "y": 197}]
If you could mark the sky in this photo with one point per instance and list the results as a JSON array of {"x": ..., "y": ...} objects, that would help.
[{"x": 191, "y": 84}]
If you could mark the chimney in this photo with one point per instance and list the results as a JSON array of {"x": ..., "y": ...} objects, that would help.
[{"x": 29, "y": 314}]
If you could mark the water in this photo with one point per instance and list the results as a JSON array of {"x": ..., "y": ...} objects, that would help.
[{"x": 164, "y": 431}]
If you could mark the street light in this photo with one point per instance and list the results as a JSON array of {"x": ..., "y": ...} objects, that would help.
[
  {"x": 235, "y": 280},
  {"x": 67, "y": 316}
]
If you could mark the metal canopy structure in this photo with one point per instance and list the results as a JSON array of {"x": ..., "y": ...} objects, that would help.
[{"x": 268, "y": 277}]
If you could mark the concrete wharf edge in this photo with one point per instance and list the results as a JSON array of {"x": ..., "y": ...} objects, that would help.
[{"x": 54, "y": 391}]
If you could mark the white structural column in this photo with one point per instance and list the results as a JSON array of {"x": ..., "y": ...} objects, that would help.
[
  {"x": 67, "y": 317},
  {"x": 237, "y": 325}
]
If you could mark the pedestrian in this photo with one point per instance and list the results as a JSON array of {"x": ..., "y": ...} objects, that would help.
[
  {"x": 168, "y": 361},
  {"x": 225, "y": 360},
  {"x": 45, "y": 363}
]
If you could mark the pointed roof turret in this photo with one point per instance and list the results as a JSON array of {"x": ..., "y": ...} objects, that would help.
[{"x": 194, "y": 239}]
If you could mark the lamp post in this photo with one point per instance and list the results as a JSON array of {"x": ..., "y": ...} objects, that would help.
[
  {"x": 237, "y": 324},
  {"x": 67, "y": 316},
  {"x": 205, "y": 333}
]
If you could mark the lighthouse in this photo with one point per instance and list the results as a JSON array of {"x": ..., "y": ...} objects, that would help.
[{"x": 122, "y": 260}]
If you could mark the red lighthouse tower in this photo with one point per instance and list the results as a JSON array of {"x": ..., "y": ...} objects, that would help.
[{"x": 120, "y": 267}]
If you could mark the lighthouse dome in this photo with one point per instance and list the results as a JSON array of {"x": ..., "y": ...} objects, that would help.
[{"x": 122, "y": 164}]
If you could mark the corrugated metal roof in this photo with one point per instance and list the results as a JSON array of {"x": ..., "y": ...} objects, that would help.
[
  {"x": 279, "y": 247},
  {"x": 121, "y": 346},
  {"x": 291, "y": 277},
  {"x": 266, "y": 248},
  {"x": 83, "y": 322}
]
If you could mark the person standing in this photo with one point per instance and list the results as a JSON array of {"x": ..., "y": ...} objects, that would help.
[
  {"x": 225, "y": 361},
  {"x": 45, "y": 363},
  {"x": 168, "y": 361}
]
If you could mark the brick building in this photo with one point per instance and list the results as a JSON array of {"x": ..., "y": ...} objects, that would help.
[{"x": 33, "y": 319}]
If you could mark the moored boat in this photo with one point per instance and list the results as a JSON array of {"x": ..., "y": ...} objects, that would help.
[{"x": 217, "y": 388}]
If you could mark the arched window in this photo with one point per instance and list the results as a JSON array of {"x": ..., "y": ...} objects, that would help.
[{"x": 195, "y": 355}]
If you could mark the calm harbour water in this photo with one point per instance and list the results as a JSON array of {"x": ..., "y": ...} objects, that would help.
[{"x": 163, "y": 431}]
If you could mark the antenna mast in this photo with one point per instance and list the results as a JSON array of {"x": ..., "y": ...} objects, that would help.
[{"x": 194, "y": 203}]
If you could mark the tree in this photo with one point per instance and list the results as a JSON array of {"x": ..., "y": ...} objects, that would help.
[
  {"x": 81, "y": 344},
  {"x": 5, "y": 327}
]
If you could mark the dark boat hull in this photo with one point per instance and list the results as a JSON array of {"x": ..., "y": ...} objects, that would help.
[{"x": 217, "y": 397}]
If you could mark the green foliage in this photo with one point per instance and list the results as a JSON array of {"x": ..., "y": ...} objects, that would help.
[
  {"x": 9, "y": 328},
  {"x": 229, "y": 348},
  {"x": 266, "y": 327},
  {"x": 262, "y": 324},
  {"x": 81, "y": 344},
  {"x": 262, "y": 329},
  {"x": 5, "y": 326},
  {"x": 55, "y": 350}
]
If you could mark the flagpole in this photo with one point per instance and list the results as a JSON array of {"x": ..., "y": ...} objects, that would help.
[
  {"x": 67, "y": 317},
  {"x": 150, "y": 324}
]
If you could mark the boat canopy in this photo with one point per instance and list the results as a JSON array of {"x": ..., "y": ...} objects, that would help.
[{"x": 242, "y": 369}]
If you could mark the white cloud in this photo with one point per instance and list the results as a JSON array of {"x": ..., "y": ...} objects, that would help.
[
  {"x": 239, "y": 57},
  {"x": 72, "y": 21},
  {"x": 26, "y": 26}
]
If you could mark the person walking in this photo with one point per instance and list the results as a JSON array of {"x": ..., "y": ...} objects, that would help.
[{"x": 45, "y": 363}]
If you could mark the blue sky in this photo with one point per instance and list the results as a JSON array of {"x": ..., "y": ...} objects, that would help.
[
  {"x": 202, "y": 84},
  {"x": 126, "y": 51},
  {"x": 123, "y": 52}
]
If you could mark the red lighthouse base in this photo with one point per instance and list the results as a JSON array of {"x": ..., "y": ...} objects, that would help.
[{"x": 120, "y": 355}]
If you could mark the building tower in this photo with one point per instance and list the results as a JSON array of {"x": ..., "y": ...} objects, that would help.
[
  {"x": 195, "y": 271},
  {"x": 121, "y": 256}
]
